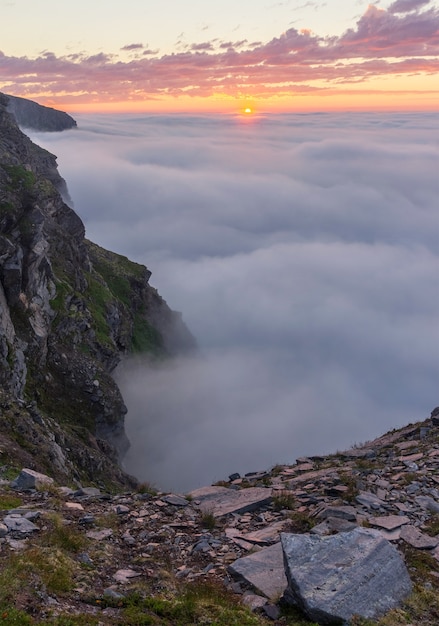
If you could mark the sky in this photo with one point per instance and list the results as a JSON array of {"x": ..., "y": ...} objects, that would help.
[
  {"x": 303, "y": 252},
  {"x": 224, "y": 56}
]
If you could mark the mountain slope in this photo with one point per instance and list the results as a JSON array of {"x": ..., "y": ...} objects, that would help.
[{"x": 69, "y": 311}]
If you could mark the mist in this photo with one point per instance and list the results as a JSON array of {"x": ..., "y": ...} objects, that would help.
[{"x": 302, "y": 251}]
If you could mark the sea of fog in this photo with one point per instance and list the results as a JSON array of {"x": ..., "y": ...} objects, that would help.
[{"x": 303, "y": 252}]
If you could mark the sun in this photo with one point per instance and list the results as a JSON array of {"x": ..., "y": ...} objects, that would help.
[{"x": 248, "y": 111}]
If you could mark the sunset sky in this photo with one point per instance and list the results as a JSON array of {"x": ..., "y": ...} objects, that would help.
[{"x": 224, "y": 56}]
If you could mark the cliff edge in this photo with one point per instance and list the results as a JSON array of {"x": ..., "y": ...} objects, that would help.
[
  {"x": 69, "y": 311},
  {"x": 29, "y": 114}
]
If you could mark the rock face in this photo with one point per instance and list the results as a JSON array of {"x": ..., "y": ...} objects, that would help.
[
  {"x": 353, "y": 573},
  {"x": 29, "y": 114},
  {"x": 69, "y": 311}
]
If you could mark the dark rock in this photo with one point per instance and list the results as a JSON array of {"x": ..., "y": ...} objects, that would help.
[
  {"x": 271, "y": 611},
  {"x": 263, "y": 570},
  {"x": 175, "y": 500},
  {"x": 29, "y": 479},
  {"x": 336, "y": 577},
  {"x": 234, "y": 476},
  {"x": 29, "y": 114}
]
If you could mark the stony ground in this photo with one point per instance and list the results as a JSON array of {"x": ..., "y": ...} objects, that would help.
[{"x": 87, "y": 557}]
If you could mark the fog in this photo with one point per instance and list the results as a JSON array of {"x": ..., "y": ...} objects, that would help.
[{"x": 303, "y": 253}]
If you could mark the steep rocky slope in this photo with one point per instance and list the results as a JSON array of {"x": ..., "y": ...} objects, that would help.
[
  {"x": 29, "y": 114},
  {"x": 69, "y": 311}
]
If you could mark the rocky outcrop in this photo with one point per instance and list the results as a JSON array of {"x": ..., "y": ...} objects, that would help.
[
  {"x": 29, "y": 114},
  {"x": 141, "y": 541},
  {"x": 69, "y": 311},
  {"x": 326, "y": 574}
]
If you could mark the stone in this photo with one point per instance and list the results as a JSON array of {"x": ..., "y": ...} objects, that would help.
[
  {"x": 74, "y": 506},
  {"x": 19, "y": 526},
  {"x": 417, "y": 539},
  {"x": 336, "y": 577},
  {"x": 344, "y": 512},
  {"x": 427, "y": 503},
  {"x": 29, "y": 479},
  {"x": 88, "y": 491},
  {"x": 267, "y": 535},
  {"x": 333, "y": 525},
  {"x": 369, "y": 500},
  {"x": 3, "y": 530},
  {"x": 253, "y": 602},
  {"x": 99, "y": 535},
  {"x": 221, "y": 501},
  {"x": 125, "y": 575},
  {"x": 271, "y": 611},
  {"x": 264, "y": 570},
  {"x": 389, "y": 522},
  {"x": 175, "y": 500}
]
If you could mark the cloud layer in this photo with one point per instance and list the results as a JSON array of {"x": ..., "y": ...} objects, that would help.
[
  {"x": 303, "y": 252},
  {"x": 400, "y": 41}
]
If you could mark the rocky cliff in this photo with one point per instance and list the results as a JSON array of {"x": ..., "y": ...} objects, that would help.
[
  {"x": 69, "y": 311},
  {"x": 30, "y": 114}
]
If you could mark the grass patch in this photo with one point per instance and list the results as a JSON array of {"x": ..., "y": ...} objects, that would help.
[
  {"x": 208, "y": 520},
  {"x": 194, "y": 604},
  {"x": 63, "y": 536},
  {"x": 300, "y": 522},
  {"x": 20, "y": 177},
  {"x": 9, "y": 501},
  {"x": 284, "y": 500},
  {"x": 145, "y": 337},
  {"x": 351, "y": 483}
]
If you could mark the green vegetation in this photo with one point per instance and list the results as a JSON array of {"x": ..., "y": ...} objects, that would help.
[
  {"x": 62, "y": 536},
  {"x": 20, "y": 177},
  {"x": 284, "y": 500},
  {"x": 208, "y": 520},
  {"x": 8, "y": 502},
  {"x": 145, "y": 337},
  {"x": 192, "y": 604},
  {"x": 98, "y": 297}
]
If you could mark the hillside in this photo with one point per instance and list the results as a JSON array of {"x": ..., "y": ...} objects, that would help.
[
  {"x": 69, "y": 311},
  {"x": 71, "y": 557}
]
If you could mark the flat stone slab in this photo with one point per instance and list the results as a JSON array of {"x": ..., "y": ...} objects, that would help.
[
  {"x": 344, "y": 512},
  {"x": 221, "y": 501},
  {"x": 264, "y": 570},
  {"x": 417, "y": 539},
  {"x": 175, "y": 500},
  {"x": 427, "y": 503},
  {"x": 269, "y": 534},
  {"x": 125, "y": 575},
  {"x": 332, "y": 525},
  {"x": 369, "y": 500},
  {"x": 333, "y": 578},
  {"x": 389, "y": 522},
  {"x": 19, "y": 526}
]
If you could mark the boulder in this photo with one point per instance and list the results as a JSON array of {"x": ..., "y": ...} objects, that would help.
[
  {"x": 354, "y": 573},
  {"x": 263, "y": 570},
  {"x": 29, "y": 479}
]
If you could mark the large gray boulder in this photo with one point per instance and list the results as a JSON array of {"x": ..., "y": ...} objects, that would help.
[
  {"x": 30, "y": 479},
  {"x": 352, "y": 573}
]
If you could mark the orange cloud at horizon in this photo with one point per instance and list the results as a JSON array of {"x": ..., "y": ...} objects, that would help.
[{"x": 389, "y": 61}]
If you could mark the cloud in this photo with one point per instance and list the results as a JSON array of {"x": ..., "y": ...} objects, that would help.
[
  {"x": 405, "y": 6},
  {"x": 383, "y": 43},
  {"x": 302, "y": 251}
]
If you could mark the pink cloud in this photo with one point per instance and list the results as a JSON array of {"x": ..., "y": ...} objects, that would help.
[
  {"x": 383, "y": 43},
  {"x": 404, "y": 6}
]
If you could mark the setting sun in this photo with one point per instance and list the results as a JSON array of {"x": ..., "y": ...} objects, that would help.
[{"x": 248, "y": 110}]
